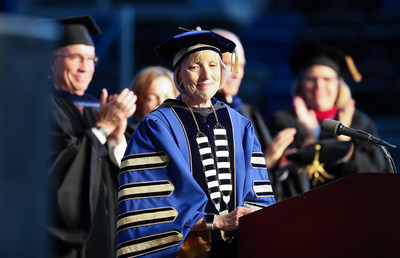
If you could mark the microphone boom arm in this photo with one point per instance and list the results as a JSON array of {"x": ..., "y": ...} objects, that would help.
[
  {"x": 388, "y": 157},
  {"x": 336, "y": 128}
]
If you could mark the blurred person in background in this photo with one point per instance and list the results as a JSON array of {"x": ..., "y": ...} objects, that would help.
[
  {"x": 152, "y": 85},
  {"x": 193, "y": 166},
  {"x": 273, "y": 148},
  {"x": 316, "y": 157},
  {"x": 89, "y": 142}
]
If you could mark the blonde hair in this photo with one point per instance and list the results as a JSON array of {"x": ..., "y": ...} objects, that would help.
[
  {"x": 141, "y": 84},
  {"x": 196, "y": 56},
  {"x": 343, "y": 95}
]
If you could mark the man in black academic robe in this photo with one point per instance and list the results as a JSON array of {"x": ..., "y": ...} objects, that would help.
[{"x": 88, "y": 144}]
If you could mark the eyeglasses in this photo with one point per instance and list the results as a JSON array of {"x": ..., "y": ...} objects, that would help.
[
  {"x": 79, "y": 59},
  {"x": 323, "y": 79}
]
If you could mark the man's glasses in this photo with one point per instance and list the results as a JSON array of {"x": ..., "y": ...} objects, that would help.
[{"x": 79, "y": 59}]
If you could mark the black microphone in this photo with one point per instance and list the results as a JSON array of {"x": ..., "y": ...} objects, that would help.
[{"x": 337, "y": 128}]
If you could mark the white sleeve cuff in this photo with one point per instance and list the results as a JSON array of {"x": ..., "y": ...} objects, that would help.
[
  {"x": 99, "y": 135},
  {"x": 117, "y": 152}
]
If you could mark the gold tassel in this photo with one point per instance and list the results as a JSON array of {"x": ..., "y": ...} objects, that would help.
[
  {"x": 236, "y": 62},
  {"x": 232, "y": 57},
  {"x": 316, "y": 170},
  {"x": 353, "y": 69}
]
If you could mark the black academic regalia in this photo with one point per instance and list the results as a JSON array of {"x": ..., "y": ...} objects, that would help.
[
  {"x": 264, "y": 136},
  {"x": 82, "y": 186},
  {"x": 260, "y": 127},
  {"x": 253, "y": 114},
  {"x": 366, "y": 157}
]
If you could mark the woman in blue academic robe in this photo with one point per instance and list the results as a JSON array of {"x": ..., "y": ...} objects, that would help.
[{"x": 193, "y": 166}]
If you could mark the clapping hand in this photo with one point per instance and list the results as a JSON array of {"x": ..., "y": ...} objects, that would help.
[{"x": 114, "y": 112}]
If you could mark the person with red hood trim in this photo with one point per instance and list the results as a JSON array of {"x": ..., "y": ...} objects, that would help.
[{"x": 314, "y": 157}]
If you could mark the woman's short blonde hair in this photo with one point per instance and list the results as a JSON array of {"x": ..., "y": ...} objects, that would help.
[
  {"x": 196, "y": 56},
  {"x": 141, "y": 84}
]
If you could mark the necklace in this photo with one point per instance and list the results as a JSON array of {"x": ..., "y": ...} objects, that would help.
[{"x": 218, "y": 177}]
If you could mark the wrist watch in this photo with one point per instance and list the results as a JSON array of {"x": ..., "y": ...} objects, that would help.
[
  {"x": 209, "y": 219},
  {"x": 102, "y": 131}
]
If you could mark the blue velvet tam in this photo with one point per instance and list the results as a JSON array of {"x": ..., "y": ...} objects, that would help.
[
  {"x": 180, "y": 46},
  {"x": 77, "y": 30},
  {"x": 316, "y": 53}
]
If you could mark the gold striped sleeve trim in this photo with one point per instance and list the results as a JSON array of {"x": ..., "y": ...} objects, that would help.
[
  {"x": 149, "y": 189},
  {"x": 255, "y": 206},
  {"x": 146, "y": 217},
  {"x": 144, "y": 161},
  {"x": 149, "y": 244}
]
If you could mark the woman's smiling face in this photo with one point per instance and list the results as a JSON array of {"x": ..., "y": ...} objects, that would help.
[
  {"x": 320, "y": 86},
  {"x": 200, "y": 74}
]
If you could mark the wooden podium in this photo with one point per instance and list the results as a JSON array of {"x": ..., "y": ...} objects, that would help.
[{"x": 356, "y": 216}]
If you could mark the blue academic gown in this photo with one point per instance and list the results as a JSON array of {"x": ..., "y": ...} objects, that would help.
[{"x": 162, "y": 190}]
